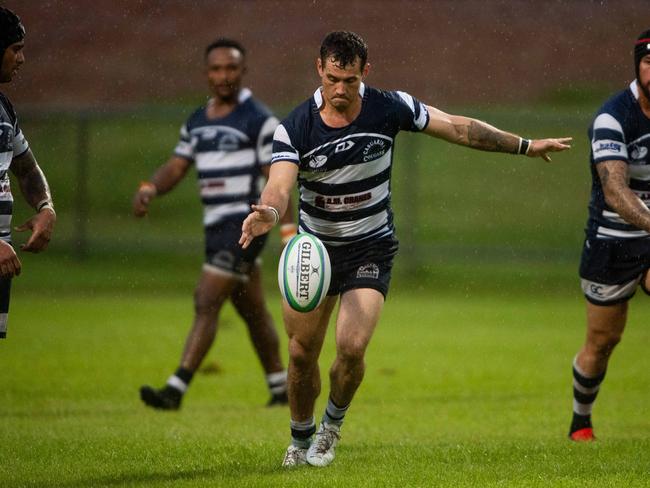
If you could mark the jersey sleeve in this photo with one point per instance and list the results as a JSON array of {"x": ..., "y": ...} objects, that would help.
[
  {"x": 411, "y": 113},
  {"x": 186, "y": 145},
  {"x": 608, "y": 140},
  {"x": 265, "y": 141},
  {"x": 283, "y": 149},
  {"x": 20, "y": 144}
]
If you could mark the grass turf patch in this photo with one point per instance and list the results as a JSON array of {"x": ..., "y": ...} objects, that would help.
[{"x": 458, "y": 392}]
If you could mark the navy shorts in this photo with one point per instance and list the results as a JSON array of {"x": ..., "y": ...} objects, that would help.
[
  {"x": 223, "y": 252},
  {"x": 362, "y": 265},
  {"x": 611, "y": 269}
]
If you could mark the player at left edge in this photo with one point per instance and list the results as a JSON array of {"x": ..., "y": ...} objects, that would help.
[{"x": 15, "y": 155}]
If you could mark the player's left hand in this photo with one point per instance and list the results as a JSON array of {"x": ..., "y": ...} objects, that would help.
[
  {"x": 541, "y": 147},
  {"x": 41, "y": 225}
]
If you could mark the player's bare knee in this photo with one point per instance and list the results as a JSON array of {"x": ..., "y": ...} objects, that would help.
[
  {"x": 351, "y": 351},
  {"x": 606, "y": 345},
  {"x": 204, "y": 304},
  {"x": 303, "y": 354},
  {"x": 601, "y": 346}
]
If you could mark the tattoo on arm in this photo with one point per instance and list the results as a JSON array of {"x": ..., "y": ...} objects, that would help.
[
  {"x": 31, "y": 179},
  {"x": 480, "y": 135},
  {"x": 613, "y": 176},
  {"x": 603, "y": 172}
]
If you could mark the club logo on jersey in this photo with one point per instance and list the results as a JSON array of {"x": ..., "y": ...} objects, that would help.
[
  {"x": 343, "y": 146},
  {"x": 609, "y": 146},
  {"x": 639, "y": 153},
  {"x": 370, "y": 270},
  {"x": 374, "y": 150},
  {"x": 317, "y": 161}
]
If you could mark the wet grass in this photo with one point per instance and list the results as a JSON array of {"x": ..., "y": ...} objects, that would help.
[{"x": 466, "y": 386}]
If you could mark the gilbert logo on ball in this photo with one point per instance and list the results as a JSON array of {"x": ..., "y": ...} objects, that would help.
[{"x": 304, "y": 272}]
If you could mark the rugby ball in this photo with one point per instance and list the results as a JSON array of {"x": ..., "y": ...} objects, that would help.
[{"x": 304, "y": 272}]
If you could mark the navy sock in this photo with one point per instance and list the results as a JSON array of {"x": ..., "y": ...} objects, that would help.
[
  {"x": 585, "y": 391},
  {"x": 333, "y": 413},
  {"x": 301, "y": 432},
  {"x": 180, "y": 380}
]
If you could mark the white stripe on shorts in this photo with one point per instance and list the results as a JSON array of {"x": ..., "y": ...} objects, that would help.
[{"x": 609, "y": 293}]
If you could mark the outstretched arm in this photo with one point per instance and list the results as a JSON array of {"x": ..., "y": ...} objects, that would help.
[
  {"x": 614, "y": 178},
  {"x": 163, "y": 180},
  {"x": 479, "y": 135},
  {"x": 273, "y": 203},
  {"x": 34, "y": 187}
]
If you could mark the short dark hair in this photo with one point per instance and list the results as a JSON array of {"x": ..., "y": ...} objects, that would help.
[
  {"x": 344, "y": 47},
  {"x": 225, "y": 42}
]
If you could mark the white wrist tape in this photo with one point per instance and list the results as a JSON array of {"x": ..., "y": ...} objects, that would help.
[
  {"x": 276, "y": 214},
  {"x": 47, "y": 203}
]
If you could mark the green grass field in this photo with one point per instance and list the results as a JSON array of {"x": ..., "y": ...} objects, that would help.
[
  {"x": 468, "y": 380},
  {"x": 466, "y": 385}
]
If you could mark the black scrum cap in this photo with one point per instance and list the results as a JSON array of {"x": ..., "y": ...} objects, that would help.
[
  {"x": 641, "y": 48},
  {"x": 11, "y": 29}
]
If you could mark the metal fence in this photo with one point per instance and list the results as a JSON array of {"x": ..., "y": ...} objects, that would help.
[{"x": 450, "y": 203}]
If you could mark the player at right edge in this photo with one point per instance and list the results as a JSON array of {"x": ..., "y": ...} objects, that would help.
[{"x": 616, "y": 251}]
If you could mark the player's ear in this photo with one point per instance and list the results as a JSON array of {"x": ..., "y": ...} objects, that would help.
[
  {"x": 365, "y": 71},
  {"x": 319, "y": 66}
]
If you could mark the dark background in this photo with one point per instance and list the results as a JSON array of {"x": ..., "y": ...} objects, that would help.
[{"x": 116, "y": 52}]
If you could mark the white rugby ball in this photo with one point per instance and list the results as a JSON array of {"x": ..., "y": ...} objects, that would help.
[{"x": 304, "y": 272}]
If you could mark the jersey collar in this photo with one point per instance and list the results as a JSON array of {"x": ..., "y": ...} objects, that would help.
[
  {"x": 318, "y": 96},
  {"x": 634, "y": 89}
]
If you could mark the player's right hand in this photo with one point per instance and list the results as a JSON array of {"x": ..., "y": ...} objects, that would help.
[
  {"x": 41, "y": 225},
  {"x": 259, "y": 221},
  {"x": 9, "y": 263},
  {"x": 142, "y": 197}
]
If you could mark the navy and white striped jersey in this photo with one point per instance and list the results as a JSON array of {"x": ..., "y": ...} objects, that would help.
[
  {"x": 344, "y": 173},
  {"x": 12, "y": 144},
  {"x": 619, "y": 132},
  {"x": 228, "y": 153}
]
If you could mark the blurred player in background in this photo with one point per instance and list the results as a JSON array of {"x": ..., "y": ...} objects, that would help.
[
  {"x": 616, "y": 252},
  {"x": 339, "y": 145},
  {"x": 15, "y": 155},
  {"x": 229, "y": 141}
]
